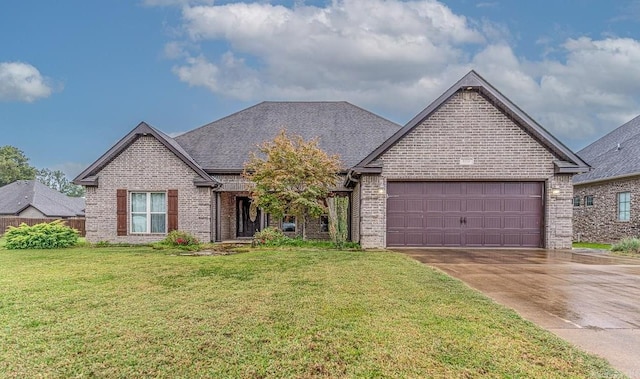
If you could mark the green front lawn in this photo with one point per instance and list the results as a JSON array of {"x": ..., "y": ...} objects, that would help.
[
  {"x": 136, "y": 312},
  {"x": 592, "y": 245}
]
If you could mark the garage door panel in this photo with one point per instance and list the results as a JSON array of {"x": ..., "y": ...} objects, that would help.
[
  {"x": 434, "y": 205},
  {"x": 452, "y": 239},
  {"x": 474, "y": 222},
  {"x": 396, "y": 188},
  {"x": 415, "y": 205},
  {"x": 465, "y": 214},
  {"x": 453, "y": 205},
  {"x": 414, "y": 221},
  {"x": 493, "y": 222},
  {"x": 474, "y": 238},
  {"x": 512, "y": 205},
  {"x": 532, "y": 188},
  {"x": 396, "y": 221},
  {"x": 493, "y": 205},
  {"x": 475, "y": 188},
  {"x": 414, "y": 188},
  {"x": 474, "y": 206},
  {"x": 397, "y": 205},
  {"x": 512, "y": 240},
  {"x": 492, "y": 239},
  {"x": 434, "y": 222},
  {"x": 530, "y": 205},
  {"x": 452, "y": 222},
  {"x": 512, "y": 222},
  {"x": 491, "y": 188},
  {"x": 434, "y": 239},
  {"x": 396, "y": 239},
  {"x": 530, "y": 240},
  {"x": 452, "y": 188},
  {"x": 530, "y": 222},
  {"x": 414, "y": 239}
]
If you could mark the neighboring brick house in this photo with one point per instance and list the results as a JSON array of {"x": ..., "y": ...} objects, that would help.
[
  {"x": 605, "y": 206},
  {"x": 472, "y": 169}
]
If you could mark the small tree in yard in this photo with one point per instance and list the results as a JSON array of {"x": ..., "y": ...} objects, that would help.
[{"x": 292, "y": 176}]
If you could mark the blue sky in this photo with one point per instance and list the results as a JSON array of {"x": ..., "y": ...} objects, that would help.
[{"x": 77, "y": 75}]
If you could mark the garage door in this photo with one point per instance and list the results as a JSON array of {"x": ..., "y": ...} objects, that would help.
[{"x": 506, "y": 214}]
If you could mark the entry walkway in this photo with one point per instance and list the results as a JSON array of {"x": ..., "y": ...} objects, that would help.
[{"x": 590, "y": 300}]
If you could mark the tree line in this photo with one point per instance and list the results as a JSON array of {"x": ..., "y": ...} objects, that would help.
[{"x": 14, "y": 165}]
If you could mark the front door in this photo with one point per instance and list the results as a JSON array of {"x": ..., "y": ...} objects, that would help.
[{"x": 247, "y": 220}]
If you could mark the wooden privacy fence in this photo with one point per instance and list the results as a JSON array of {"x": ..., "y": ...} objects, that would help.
[{"x": 76, "y": 223}]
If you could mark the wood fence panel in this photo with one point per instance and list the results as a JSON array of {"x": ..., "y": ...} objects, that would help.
[{"x": 76, "y": 223}]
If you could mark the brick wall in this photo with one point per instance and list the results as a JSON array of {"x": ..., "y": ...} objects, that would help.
[
  {"x": 559, "y": 212},
  {"x": 467, "y": 128},
  {"x": 599, "y": 222},
  {"x": 146, "y": 165},
  {"x": 372, "y": 211}
]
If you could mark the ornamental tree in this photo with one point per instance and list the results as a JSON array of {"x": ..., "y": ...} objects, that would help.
[{"x": 292, "y": 176}]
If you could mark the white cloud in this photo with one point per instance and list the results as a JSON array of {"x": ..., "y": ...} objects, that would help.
[
  {"x": 349, "y": 49},
  {"x": 395, "y": 57},
  {"x": 22, "y": 82}
]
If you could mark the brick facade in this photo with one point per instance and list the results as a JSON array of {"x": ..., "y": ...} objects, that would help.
[
  {"x": 467, "y": 128},
  {"x": 146, "y": 165},
  {"x": 599, "y": 222}
]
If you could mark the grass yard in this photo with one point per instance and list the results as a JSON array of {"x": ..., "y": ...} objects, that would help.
[
  {"x": 592, "y": 245},
  {"x": 135, "y": 312}
]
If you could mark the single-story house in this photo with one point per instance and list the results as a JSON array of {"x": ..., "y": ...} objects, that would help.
[
  {"x": 605, "y": 205},
  {"x": 32, "y": 199},
  {"x": 472, "y": 169}
]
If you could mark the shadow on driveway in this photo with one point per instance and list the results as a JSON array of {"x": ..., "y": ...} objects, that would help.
[{"x": 591, "y": 300}]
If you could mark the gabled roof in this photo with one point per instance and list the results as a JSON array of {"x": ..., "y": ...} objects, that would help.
[
  {"x": 88, "y": 177},
  {"x": 22, "y": 194},
  {"x": 568, "y": 162},
  {"x": 341, "y": 128},
  {"x": 615, "y": 155}
]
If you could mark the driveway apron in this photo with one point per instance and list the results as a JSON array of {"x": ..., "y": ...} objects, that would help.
[{"x": 588, "y": 299}]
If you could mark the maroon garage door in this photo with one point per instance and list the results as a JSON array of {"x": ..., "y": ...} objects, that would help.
[{"x": 465, "y": 214}]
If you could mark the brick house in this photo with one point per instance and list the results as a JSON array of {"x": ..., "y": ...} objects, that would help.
[
  {"x": 605, "y": 205},
  {"x": 472, "y": 169}
]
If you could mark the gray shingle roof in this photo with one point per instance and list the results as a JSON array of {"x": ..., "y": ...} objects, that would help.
[
  {"x": 616, "y": 154},
  {"x": 342, "y": 128},
  {"x": 19, "y": 195}
]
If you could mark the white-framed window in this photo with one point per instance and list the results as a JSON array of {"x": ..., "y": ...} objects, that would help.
[
  {"x": 588, "y": 200},
  {"x": 624, "y": 206},
  {"x": 148, "y": 212},
  {"x": 289, "y": 223},
  {"x": 576, "y": 201}
]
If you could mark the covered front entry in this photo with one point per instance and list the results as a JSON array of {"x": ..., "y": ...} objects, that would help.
[
  {"x": 492, "y": 214},
  {"x": 248, "y": 219}
]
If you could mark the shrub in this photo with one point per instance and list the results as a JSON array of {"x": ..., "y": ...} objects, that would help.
[
  {"x": 181, "y": 239},
  {"x": 50, "y": 235},
  {"x": 270, "y": 237},
  {"x": 629, "y": 245}
]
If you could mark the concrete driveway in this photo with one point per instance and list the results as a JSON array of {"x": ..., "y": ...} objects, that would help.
[{"x": 588, "y": 299}]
